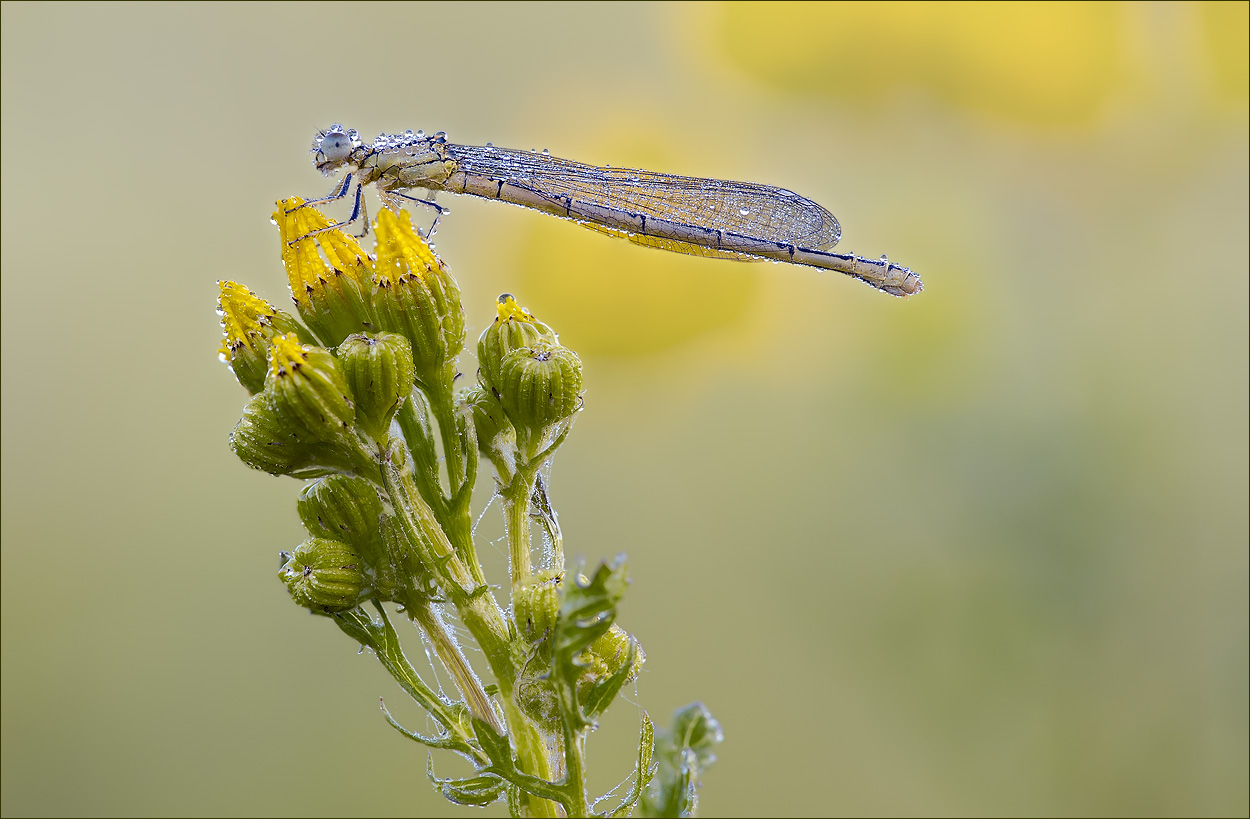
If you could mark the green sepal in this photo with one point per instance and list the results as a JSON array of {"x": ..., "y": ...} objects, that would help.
[
  {"x": 337, "y": 303},
  {"x": 324, "y": 575},
  {"x": 378, "y": 369}
]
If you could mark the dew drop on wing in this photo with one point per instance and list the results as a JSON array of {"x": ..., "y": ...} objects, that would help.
[
  {"x": 546, "y": 152},
  {"x": 420, "y": 134},
  {"x": 744, "y": 211},
  {"x": 884, "y": 259},
  {"x": 273, "y": 221},
  {"x": 408, "y": 133}
]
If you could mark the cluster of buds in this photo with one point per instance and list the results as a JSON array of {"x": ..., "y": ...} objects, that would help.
[
  {"x": 347, "y": 393},
  {"x": 529, "y": 389}
]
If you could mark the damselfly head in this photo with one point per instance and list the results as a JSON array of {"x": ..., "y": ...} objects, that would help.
[{"x": 333, "y": 146}]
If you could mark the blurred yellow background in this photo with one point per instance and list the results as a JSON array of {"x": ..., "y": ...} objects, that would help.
[{"x": 982, "y": 551}]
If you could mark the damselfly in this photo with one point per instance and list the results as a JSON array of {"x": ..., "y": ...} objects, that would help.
[{"x": 700, "y": 217}]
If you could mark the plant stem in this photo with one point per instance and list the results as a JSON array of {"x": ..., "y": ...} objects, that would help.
[
  {"x": 453, "y": 660},
  {"x": 575, "y": 766},
  {"x": 516, "y": 498},
  {"x": 474, "y": 603},
  {"x": 458, "y": 526},
  {"x": 531, "y": 751}
]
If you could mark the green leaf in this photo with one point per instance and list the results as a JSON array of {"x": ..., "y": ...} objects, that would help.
[
  {"x": 642, "y": 773},
  {"x": 478, "y": 791},
  {"x": 586, "y": 612},
  {"x": 601, "y": 694},
  {"x": 449, "y": 744}
]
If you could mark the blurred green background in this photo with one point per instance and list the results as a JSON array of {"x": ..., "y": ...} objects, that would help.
[{"x": 980, "y": 551}]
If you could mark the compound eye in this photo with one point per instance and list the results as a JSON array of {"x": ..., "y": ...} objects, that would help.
[{"x": 334, "y": 145}]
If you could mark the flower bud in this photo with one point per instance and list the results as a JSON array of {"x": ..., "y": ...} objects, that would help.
[
  {"x": 309, "y": 390},
  {"x": 611, "y": 649},
  {"x": 513, "y": 328},
  {"x": 324, "y": 575},
  {"x": 329, "y": 274},
  {"x": 263, "y": 440},
  {"x": 342, "y": 508},
  {"x": 539, "y": 386},
  {"x": 496, "y": 437},
  {"x": 535, "y": 606},
  {"x": 378, "y": 369},
  {"x": 249, "y": 322},
  {"x": 416, "y": 296}
]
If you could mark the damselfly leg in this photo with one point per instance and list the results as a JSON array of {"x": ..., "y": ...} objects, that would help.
[{"x": 359, "y": 209}]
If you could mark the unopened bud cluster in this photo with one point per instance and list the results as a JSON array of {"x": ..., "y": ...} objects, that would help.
[
  {"x": 530, "y": 386},
  {"x": 355, "y": 392}
]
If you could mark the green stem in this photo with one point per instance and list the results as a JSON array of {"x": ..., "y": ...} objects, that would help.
[
  {"x": 575, "y": 768},
  {"x": 516, "y": 498},
  {"x": 443, "y": 407},
  {"x": 454, "y": 661},
  {"x": 531, "y": 752},
  {"x": 473, "y": 601},
  {"x": 457, "y": 521}
]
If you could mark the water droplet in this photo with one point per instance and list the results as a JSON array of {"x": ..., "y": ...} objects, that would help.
[
  {"x": 273, "y": 221},
  {"x": 408, "y": 133},
  {"x": 420, "y": 134},
  {"x": 884, "y": 259},
  {"x": 490, "y": 145},
  {"x": 546, "y": 152},
  {"x": 440, "y": 134},
  {"x": 744, "y": 211}
]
